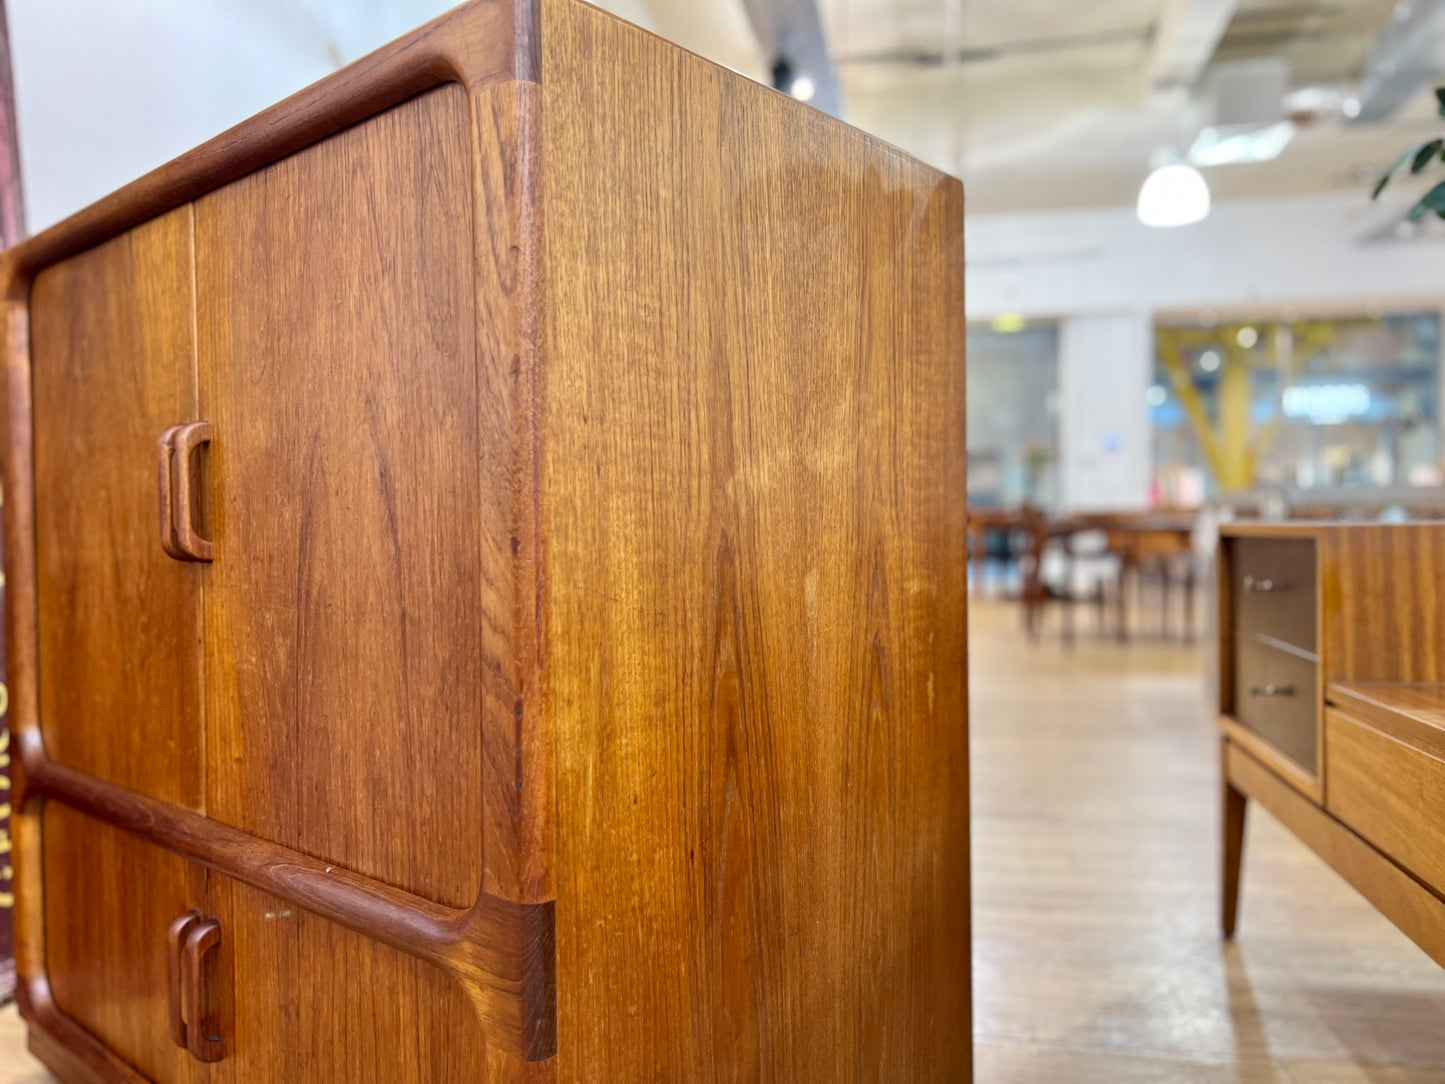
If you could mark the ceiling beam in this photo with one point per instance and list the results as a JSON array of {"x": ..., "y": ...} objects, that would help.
[
  {"x": 791, "y": 31},
  {"x": 1405, "y": 57},
  {"x": 1185, "y": 37}
]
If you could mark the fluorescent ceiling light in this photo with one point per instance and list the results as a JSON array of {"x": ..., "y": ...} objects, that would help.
[
  {"x": 1223, "y": 145},
  {"x": 1173, "y": 195}
]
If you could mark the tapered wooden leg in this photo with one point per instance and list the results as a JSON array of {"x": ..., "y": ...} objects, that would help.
[
  {"x": 1122, "y": 632},
  {"x": 1189, "y": 600},
  {"x": 1164, "y": 598},
  {"x": 1068, "y": 594},
  {"x": 1232, "y": 844}
]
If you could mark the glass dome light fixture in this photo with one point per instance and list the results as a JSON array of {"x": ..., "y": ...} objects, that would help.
[{"x": 1174, "y": 194}]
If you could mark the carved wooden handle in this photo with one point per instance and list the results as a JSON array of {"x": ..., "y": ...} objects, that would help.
[
  {"x": 179, "y": 537},
  {"x": 175, "y": 941},
  {"x": 166, "y": 489},
  {"x": 203, "y": 1031},
  {"x": 187, "y": 440}
]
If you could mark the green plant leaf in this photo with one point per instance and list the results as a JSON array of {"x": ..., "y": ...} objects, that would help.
[
  {"x": 1433, "y": 200},
  {"x": 1418, "y": 156},
  {"x": 1384, "y": 180},
  {"x": 1425, "y": 153},
  {"x": 1440, "y": 97}
]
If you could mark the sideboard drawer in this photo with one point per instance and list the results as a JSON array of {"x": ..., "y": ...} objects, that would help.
[
  {"x": 1389, "y": 792},
  {"x": 1276, "y": 695},
  {"x": 1272, "y": 584}
]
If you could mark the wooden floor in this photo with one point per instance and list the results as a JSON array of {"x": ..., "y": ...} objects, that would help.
[
  {"x": 1096, "y": 953},
  {"x": 16, "y": 1064}
]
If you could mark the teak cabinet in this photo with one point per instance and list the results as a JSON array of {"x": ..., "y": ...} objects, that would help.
[
  {"x": 1332, "y": 697},
  {"x": 486, "y": 558}
]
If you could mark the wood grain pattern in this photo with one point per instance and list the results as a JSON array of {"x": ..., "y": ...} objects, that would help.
[
  {"x": 315, "y": 1002},
  {"x": 752, "y": 485},
  {"x": 476, "y": 43},
  {"x": 1390, "y": 793},
  {"x": 499, "y": 951},
  {"x": 1380, "y": 775},
  {"x": 119, "y": 619},
  {"x": 568, "y": 540},
  {"x": 343, "y": 647},
  {"x": 1418, "y": 912},
  {"x": 469, "y": 937},
  {"x": 1384, "y": 589},
  {"x": 518, "y": 844},
  {"x": 106, "y": 960},
  {"x": 1411, "y": 713}
]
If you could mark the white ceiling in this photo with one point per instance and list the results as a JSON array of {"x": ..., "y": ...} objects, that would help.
[{"x": 1063, "y": 115}]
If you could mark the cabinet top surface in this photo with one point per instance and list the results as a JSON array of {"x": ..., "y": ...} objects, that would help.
[
  {"x": 1312, "y": 528},
  {"x": 475, "y": 44},
  {"x": 1422, "y": 702}
]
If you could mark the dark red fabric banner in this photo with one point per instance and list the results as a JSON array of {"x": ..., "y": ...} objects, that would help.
[{"x": 12, "y": 229}]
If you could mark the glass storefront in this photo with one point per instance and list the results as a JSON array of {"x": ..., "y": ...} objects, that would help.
[{"x": 1316, "y": 404}]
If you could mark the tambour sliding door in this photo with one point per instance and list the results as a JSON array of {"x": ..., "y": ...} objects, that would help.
[
  {"x": 344, "y": 672},
  {"x": 119, "y": 624}
]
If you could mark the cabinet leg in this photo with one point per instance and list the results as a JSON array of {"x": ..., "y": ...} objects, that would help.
[{"x": 1231, "y": 849}]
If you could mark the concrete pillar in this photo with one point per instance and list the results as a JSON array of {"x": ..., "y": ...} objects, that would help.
[{"x": 1106, "y": 365}]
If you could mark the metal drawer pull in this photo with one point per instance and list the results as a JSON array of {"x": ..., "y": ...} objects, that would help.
[
  {"x": 1262, "y": 586},
  {"x": 1271, "y": 690}
]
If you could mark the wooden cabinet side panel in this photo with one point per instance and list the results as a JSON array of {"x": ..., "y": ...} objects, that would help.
[
  {"x": 754, "y": 541},
  {"x": 119, "y": 621},
  {"x": 108, "y": 900},
  {"x": 338, "y": 345}
]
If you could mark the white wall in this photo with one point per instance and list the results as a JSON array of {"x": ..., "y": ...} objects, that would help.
[
  {"x": 1107, "y": 279},
  {"x": 1106, "y": 364},
  {"x": 107, "y": 91},
  {"x": 1309, "y": 251}
]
